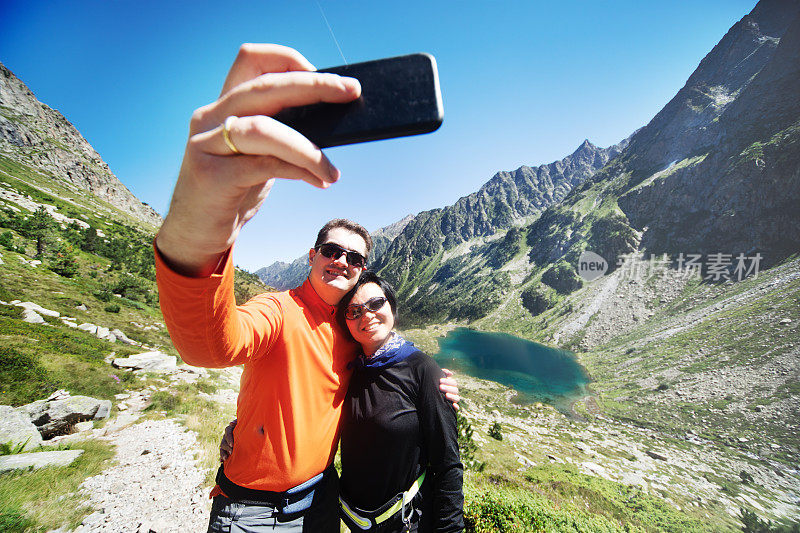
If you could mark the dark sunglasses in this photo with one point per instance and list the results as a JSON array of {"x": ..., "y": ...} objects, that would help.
[
  {"x": 334, "y": 251},
  {"x": 354, "y": 311}
]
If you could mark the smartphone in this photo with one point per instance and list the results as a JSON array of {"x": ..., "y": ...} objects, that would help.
[{"x": 399, "y": 96}]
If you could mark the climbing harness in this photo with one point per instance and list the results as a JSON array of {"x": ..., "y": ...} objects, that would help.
[{"x": 365, "y": 520}]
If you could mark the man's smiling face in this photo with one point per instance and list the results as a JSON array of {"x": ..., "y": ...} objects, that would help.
[{"x": 332, "y": 277}]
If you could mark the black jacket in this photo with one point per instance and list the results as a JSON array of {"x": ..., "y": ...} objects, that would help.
[{"x": 396, "y": 424}]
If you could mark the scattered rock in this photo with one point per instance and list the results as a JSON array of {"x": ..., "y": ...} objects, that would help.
[
  {"x": 524, "y": 461},
  {"x": 595, "y": 468},
  {"x": 786, "y": 321},
  {"x": 58, "y": 416},
  {"x": 121, "y": 337},
  {"x": 38, "y": 308},
  {"x": 656, "y": 455},
  {"x": 584, "y": 448},
  {"x": 60, "y": 394},
  {"x": 81, "y": 307},
  {"x": 38, "y": 460},
  {"x": 17, "y": 428},
  {"x": 94, "y": 519},
  {"x": 148, "y": 361},
  {"x": 88, "y": 327},
  {"x": 84, "y": 426},
  {"x": 32, "y": 317}
]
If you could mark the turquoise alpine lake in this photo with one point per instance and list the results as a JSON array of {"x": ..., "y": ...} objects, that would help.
[{"x": 537, "y": 372}]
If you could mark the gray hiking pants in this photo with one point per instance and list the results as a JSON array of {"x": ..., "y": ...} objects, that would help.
[{"x": 230, "y": 516}]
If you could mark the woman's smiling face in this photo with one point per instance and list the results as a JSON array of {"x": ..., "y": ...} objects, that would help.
[{"x": 372, "y": 328}]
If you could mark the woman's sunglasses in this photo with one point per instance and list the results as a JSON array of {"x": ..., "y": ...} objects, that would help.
[
  {"x": 354, "y": 311},
  {"x": 334, "y": 251}
]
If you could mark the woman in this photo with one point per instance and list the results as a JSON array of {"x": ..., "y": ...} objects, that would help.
[{"x": 400, "y": 465}]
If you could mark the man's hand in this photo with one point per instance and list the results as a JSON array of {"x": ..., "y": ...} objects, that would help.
[
  {"x": 449, "y": 386},
  {"x": 218, "y": 190},
  {"x": 226, "y": 444}
]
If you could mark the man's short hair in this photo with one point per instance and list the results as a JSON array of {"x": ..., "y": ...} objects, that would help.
[{"x": 349, "y": 225}]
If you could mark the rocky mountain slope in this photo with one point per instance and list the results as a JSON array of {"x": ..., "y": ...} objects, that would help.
[
  {"x": 714, "y": 172},
  {"x": 734, "y": 131},
  {"x": 34, "y": 135},
  {"x": 705, "y": 358},
  {"x": 423, "y": 260}
]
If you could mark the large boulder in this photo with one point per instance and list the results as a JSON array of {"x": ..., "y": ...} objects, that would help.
[
  {"x": 38, "y": 460},
  {"x": 58, "y": 416},
  {"x": 16, "y": 428},
  {"x": 148, "y": 361}
]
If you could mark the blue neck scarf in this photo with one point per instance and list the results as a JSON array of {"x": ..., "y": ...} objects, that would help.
[{"x": 393, "y": 351}]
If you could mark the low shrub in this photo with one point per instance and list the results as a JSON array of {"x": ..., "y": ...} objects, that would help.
[
  {"x": 163, "y": 401},
  {"x": 104, "y": 295},
  {"x": 503, "y": 509},
  {"x": 496, "y": 431}
]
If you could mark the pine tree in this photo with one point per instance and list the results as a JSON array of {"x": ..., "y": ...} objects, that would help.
[
  {"x": 466, "y": 444},
  {"x": 64, "y": 260},
  {"x": 42, "y": 228}
]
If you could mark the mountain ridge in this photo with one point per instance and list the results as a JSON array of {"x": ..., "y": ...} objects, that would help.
[
  {"x": 35, "y": 135},
  {"x": 283, "y": 276}
]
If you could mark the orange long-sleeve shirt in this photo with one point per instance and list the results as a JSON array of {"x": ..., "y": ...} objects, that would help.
[{"x": 295, "y": 370}]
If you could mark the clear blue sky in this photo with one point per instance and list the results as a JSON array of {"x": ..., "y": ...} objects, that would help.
[{"x": 523, "y": 83}]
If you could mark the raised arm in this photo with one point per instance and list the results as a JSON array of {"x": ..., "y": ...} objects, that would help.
[{"x": 219, "y": 189}]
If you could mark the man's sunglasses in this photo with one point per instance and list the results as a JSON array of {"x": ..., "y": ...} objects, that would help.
[
  {"x": 334, "y": 251},
  {"x": 354, "y": 311}
]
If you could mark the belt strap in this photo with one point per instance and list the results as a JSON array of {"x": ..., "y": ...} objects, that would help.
[
  {"x": 294, "y": 500},
  {"x": 367, "y": 519}
]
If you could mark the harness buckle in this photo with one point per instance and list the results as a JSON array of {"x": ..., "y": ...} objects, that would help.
[{"x": 406, "y": 518}]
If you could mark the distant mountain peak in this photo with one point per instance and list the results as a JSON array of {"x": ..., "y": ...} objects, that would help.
[{"x": 586, "y": 149}]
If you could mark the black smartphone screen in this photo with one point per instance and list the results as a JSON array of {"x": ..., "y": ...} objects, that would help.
[{"x": 399, "y": 96}]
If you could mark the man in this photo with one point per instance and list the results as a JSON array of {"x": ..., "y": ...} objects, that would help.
[{"x": 294, "y": 352}]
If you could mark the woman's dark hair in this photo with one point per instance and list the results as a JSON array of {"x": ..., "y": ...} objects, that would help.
[{"x": 367, "y": 277}]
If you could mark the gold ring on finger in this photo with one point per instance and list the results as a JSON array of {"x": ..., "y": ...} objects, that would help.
[{"x": 226, "y": 134}]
